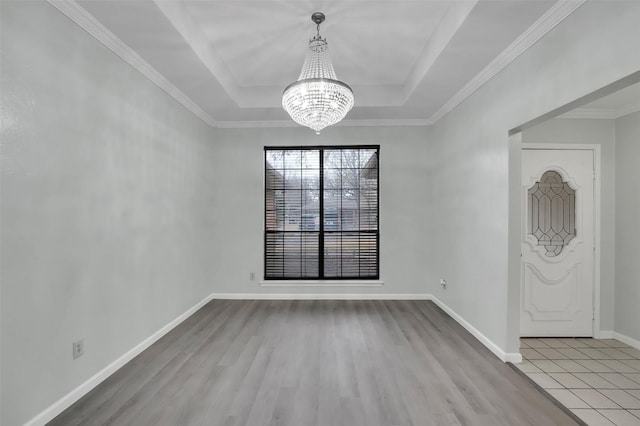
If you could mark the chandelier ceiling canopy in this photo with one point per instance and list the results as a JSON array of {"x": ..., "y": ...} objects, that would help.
[{"x": 318, "y": 99}]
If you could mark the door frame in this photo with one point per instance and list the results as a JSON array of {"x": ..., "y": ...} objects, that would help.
[{"x": 517, "y": 138}]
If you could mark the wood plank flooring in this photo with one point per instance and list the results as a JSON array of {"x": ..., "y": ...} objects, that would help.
[{"x": 325, "y": 362}]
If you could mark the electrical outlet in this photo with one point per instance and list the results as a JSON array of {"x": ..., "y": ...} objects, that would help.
[
  {"x": 78, "y": 348},
  {"x": 443, "y": 283},
  {"x": 252, "y": 276}
]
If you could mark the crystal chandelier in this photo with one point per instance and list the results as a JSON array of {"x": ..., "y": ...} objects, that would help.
[{"x": 318, "y": 99}]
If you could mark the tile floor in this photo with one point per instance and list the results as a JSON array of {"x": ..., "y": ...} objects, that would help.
[{"x": 599, "y": 380}]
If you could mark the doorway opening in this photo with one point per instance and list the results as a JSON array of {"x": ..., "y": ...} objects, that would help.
[{"x": 586, "y": 124}]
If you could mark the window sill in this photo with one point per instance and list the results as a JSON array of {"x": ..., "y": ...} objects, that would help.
[{"x": 321, "y": 283}]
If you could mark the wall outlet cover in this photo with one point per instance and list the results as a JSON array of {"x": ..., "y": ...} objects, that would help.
[{"x": 78, "y": 348}]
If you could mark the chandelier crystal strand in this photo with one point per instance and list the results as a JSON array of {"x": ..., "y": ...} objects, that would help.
[{"x": 318, "y": 99}]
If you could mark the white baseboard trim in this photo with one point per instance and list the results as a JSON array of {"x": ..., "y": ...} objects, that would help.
[
  {"x": 319, "y": 296},
  {"x": 626, "y": 339},
  {"x": 513, "y": 357},
  {"x": 66, "y": 401}
]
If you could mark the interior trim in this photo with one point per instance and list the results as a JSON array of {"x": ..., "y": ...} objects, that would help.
[
  {"x": 87, "y": 22},
  {"x": 556, "y": 14},
  {"x": 69, "y": 399}
]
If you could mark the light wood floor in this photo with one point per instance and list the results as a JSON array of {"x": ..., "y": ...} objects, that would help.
[{"x": 316, "y": 363}]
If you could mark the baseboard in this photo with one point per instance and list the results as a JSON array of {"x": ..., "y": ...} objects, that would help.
[
  {"x": 66, "y": 401},
  {"x": 513, "y": 357},
  {"x": 626, "y": 339},
  {"x": 319, "y": 296}
]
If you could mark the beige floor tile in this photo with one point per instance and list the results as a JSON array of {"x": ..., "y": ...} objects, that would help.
[
  {"x": 594, "y": 366},
  {"x": 594, "y": 398},
  {"x": 595, "y": 381},
  {"x": 574, "y": 343},
  {"x": 631, "y": 351},
  {"x": 635, "y": 363},
  {"x": 618, "y": 366},
  {"x": 568, "y": 399},
  {"x": 545, "y": 381},
  {"x": 614, "y": 343},
  {"x": 531, "y": 354},
  {"x": 547, "y": 366},
  {"x": 551, "y": 353},
  {"x": 569, "y": 381},
  {"x": 528, "y": 367},
  {"x": 554, "y": 343},
  {"x": 616, "y": 353},
  {"x": 535, "y": 343},
  {"x": 621, "y": 417},
  {"x": 572, "y": 353},
  {"x": 571, "y": 366},
  {"x": 620, "y": 380},
  {"x": 592, "y": 417},
  {"x": 622, "y": 398},
  {"x": 595, "y": 353},
  {"x": 633, "y": 376},
  {"x": 595, "y": 343}
]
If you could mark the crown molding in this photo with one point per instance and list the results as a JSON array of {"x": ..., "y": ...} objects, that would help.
[
  {"x": 541, "y": 27},
  {"x": 86, "y": 21},
  {"x": 590, "y": 114},
  {"x": 601, "y": 113},
  {"x": 556, "y": 14},
  {"x": 418, "y": 122},
  {"x": 629, "y": 109}
]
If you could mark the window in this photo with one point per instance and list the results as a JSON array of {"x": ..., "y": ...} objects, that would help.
[{"x": 321, "y": 213}]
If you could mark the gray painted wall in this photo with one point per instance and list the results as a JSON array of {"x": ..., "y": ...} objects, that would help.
[
  {"x": 108, "y": 203},
  {"x": 115, "y": 198},
  {"x": 404, "y": 205},
  {"x": 627, "y": 314},
  {"x": 597, "y": 132},
  {"x": 477, "y": 234}
]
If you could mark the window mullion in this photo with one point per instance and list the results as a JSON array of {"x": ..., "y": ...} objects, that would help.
[{"x": 321, "y": 226}]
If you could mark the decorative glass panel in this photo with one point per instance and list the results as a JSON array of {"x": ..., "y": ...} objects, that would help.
[{"x": 552, "y": 212}]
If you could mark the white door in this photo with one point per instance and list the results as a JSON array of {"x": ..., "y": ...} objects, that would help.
[{"x": 557, "y": 242}]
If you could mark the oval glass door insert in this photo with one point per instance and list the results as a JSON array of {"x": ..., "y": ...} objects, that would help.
[{"x": 552, "y": 213}]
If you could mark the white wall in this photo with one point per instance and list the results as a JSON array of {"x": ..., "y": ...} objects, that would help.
[
  {"x": 596, "y": 132},
  {"x": 120, "y": 210},
  {"x": 108, "y": 194},
  {"x": 404, "y": 205},
  {"x": 627, "y": 315},
  {"x": 471, "y": 160}
]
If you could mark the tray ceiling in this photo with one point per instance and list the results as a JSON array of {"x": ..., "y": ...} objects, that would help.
[{"x": 408, "y": 62}]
